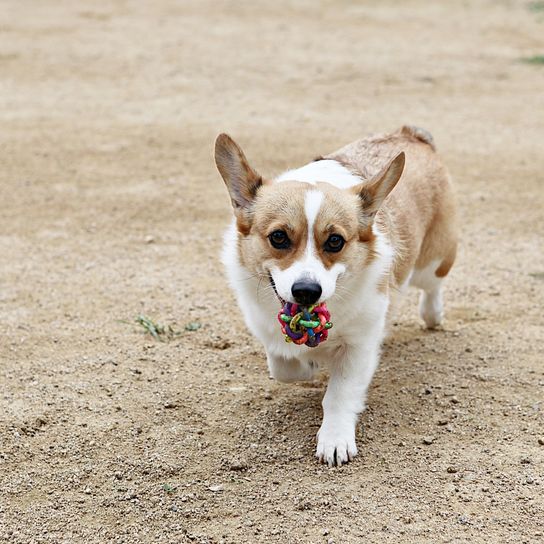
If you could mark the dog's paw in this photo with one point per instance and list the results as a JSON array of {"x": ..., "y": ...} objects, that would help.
[
  {"x": 291, "y": 370},
  {"x": 431, "y": 309},
  {"x": 335, "y": 447}
]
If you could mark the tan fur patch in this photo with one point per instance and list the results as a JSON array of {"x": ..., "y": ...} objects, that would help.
[{"x": 447, "y": 263}]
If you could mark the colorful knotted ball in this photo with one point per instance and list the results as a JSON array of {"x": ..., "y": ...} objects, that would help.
[{"x": 305, "y": 324}]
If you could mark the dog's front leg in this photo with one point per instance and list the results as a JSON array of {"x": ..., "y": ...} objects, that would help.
[
  {"x": 289, "y": 369},
  {"x": 350, "y": 375}
]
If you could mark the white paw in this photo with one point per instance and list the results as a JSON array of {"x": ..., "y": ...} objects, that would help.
[
  {"x": 335, "y": 446},
  {"x": 431, "y": 309},
  {"x": 290, "y": 370}
]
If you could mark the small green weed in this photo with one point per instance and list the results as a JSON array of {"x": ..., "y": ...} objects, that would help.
[
  {"x": 161, "y": 332},
  {"x": 168, "y": 488},
  {"x": 535, "y": 59},
  {"x": 156, "y": 330}
]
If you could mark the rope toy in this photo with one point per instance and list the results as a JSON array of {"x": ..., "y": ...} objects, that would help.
[{"x": 305, "y": 325}]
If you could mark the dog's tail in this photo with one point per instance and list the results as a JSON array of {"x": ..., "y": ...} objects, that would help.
[{"x": 420, "y": 134}]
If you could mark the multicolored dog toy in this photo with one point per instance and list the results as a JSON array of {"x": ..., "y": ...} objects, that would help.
[{"x": 305, "y": 325}]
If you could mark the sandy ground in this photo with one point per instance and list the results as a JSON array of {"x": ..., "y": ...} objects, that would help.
[{"x": 111, "y": 207}]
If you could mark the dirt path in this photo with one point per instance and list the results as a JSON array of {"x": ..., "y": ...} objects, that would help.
[{"x": 111, "y": 208}]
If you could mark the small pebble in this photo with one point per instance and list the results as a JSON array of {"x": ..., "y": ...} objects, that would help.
[
  {"x": 541, "y": 441},
  {"x": 428, "y": 440},
  {"x": 216, "y": 488},
  {"x": 238, "y": 465},
  {"x": 451, "y": 470}
]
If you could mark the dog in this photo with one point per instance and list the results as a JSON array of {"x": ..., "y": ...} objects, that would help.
[{"x": 351, "y": 229}]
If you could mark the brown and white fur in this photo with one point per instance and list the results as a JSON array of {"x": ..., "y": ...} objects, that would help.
[{"x": 389, "y": 198}]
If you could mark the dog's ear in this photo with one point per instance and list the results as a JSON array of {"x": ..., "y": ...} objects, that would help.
[
  {"x": 372, "y": 193},
  {"x": 241, "y": 180}
]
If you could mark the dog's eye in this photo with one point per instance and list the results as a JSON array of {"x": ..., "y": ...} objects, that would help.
[
  {"x": 279, "y": 239},
  {"x": 334, "y": 243}
]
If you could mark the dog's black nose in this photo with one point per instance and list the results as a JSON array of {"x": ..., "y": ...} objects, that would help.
[{"x": 306, "y": 292}]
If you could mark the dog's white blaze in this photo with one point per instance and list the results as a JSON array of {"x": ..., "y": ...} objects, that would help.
[
  {"x": 312, "y": 204},
  {"x": 329, "y": 171}
]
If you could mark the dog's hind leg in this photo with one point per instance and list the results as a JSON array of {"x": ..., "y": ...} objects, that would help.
[
  {"x": 437, "y": 252},
  {"x": 431, "y": 308},
  {"x": 429, "y": 279}
]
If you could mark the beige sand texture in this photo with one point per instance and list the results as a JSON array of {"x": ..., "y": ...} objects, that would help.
[{"x": 111, "y": 207}]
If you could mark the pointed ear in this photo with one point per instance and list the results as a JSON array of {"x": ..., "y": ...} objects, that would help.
[
  {"x": 241, "y": 180},
  {"x": 373, "y": 192}
]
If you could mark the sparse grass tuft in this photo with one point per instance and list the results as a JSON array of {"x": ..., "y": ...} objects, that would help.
[
  {"x": 161, "y": 332},
  {"x": 535, "y": 59},
  {"x": 168, "y": 488},
  {"x": 156, "y": 330}
]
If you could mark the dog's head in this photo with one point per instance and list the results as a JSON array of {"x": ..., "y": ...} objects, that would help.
[{"x": 303, "y": 236}]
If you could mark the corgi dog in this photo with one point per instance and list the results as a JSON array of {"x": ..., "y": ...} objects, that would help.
[{"x": 351, "y": 229}]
